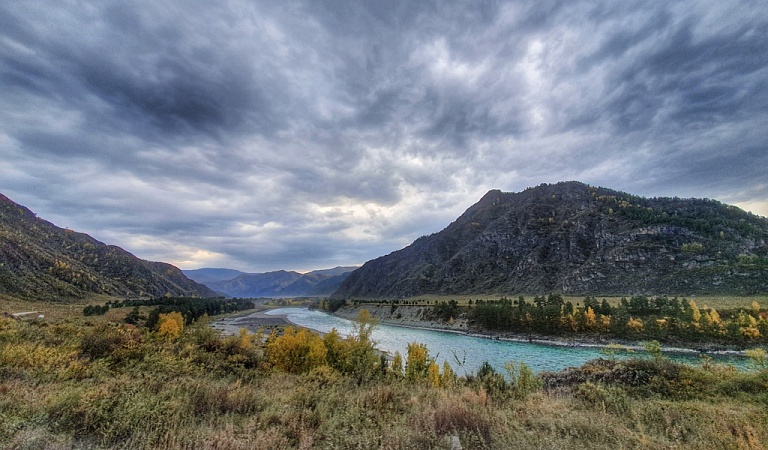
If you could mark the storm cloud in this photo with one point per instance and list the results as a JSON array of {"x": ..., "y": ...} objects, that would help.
[{"x": 304, "y": 135}]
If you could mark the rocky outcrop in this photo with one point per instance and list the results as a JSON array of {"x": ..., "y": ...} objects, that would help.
[{"x": 406, "y": 315}]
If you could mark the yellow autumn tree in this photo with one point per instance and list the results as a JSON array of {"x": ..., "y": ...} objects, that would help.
[
  {"x": 635, "y": 324},
  {"x": 695, "y": 313},
  {"x": 712, "y": 322},
  {"x": 605, "y": 322},
  {"x": 296, "y": 351},
  {"x": 748, "y": 326},
  {"x": 448, "y": 377},
  {"x": 590, "y": 319},
  {"x": 244, "y": 339},
  {"x": 433, "y": 374},
  {"x": 417, "y": 362},
  {"x": 170, "y": 326}
]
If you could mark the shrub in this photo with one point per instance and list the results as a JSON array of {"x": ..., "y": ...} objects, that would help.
[
  {"x": 452, "y": 416},
  {"x": 117, "y": 342},
  {"x": 296, "y": 351},
  {"x": 417, "y": 362},
  {"x": 522, "y": 379},
  {"x": 492, "y": 382},
  {"x": 757, "y": 357},
  {"x": 170, "y": 325}
]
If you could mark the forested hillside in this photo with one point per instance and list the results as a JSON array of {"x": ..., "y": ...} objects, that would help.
[{"x": 42, "y": 261}]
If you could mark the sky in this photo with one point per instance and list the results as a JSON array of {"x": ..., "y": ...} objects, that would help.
[{"x": 300, "y": 135}]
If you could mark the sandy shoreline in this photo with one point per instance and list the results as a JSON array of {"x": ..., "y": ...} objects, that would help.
[{"x": 251, "y": 321}]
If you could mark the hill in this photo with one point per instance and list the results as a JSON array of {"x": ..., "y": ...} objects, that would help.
[
  {"x": 42, "y": 261},
  {"x": 338, "y": 270},
  {"x": 578, "y": 239},
  {"x": 281, "y": 283}
]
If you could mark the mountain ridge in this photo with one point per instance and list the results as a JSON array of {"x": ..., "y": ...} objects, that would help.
[
  {"x": 573, "y": 238},
  {"x": 42, "y": 261},
  {"x": 283, "y": 283}
]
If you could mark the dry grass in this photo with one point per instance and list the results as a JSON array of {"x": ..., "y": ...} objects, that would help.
[
  {"x": 58, "y": 311},
  {"x": 181, "y": 395}
]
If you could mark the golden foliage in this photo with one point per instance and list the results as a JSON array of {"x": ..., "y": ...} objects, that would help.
[
  {"x": 695, "y": 312},
  {"x": 170, "y": 325},
  {"x": 605, "y": 322},
  {"x": 635, "y": 324},
  {"x": 448, "y": 378},
  {"x": 750, "y": 332},
  {"x": 296, "y": 351},
  {"x": 417, "y": 362},
  {"x": 433, "y": 375}
]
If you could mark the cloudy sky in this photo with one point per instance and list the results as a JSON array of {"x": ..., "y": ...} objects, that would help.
[{"x": 263, "y": 135}]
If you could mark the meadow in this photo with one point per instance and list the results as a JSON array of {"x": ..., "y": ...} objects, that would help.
[{"x": 69, "y": 381}]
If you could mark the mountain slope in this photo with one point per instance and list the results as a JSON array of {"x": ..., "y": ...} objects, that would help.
[
  {"x": 283, "y": 283},
  {"x": 42, "y": 261},
  {"x": 338, "y": 270},
  {"x": 577, "y": 239}
]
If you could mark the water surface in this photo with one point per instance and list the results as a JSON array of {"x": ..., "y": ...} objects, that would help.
[{"x": 465, "y": 353}]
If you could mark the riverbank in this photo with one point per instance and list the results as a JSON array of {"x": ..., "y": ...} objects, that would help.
[
  {"x": 417, "y": 317},
  {"x": 251, "y": 321}
]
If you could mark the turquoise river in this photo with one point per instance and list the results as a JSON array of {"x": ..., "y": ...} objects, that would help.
[{"x": 466, "y": 353}]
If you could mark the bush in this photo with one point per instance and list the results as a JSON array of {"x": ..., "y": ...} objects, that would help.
[
  {"x": 116, "y": 342},
  {"x": 296, "y": 351},
  {"x": 522, "y": 379}
]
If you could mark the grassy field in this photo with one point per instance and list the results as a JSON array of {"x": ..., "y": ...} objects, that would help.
[
  {"x": 69, "y": 382},
  {"x": 56, "y": 311}
]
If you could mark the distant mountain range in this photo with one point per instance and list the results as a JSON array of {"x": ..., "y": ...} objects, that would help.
[
  {"x": 39, "y": 260},
  {"x": 578, "y": 239},
  {"x": 281, "y": 283},
  {"x": 207, "y": 275}
]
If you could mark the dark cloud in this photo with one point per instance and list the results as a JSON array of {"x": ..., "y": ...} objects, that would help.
[{"x": 310, "y": 134}]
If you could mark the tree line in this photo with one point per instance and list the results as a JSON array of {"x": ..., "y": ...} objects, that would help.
[
  {"x": 639, "y": 317},
  {"x": 190, "y": 308}
]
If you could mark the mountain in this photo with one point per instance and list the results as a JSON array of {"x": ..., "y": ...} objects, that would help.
[
  {"x": 39, "y": 260},
  {"x": 577, "y": 239},
  {"x": 281, "y": 283},
  {"x": 338, "y": 270},
  {"x": 207, "y": 274}
]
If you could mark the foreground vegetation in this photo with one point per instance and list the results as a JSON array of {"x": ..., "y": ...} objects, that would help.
[{"x": 98, "y": 382}]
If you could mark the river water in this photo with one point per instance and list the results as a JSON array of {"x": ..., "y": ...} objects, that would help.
[{"x": 465, "y": 353}]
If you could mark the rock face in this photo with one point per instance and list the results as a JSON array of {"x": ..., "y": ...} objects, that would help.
[
  {"x": 577, "y": 239},
  {"x": 39, "y": 260}
]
